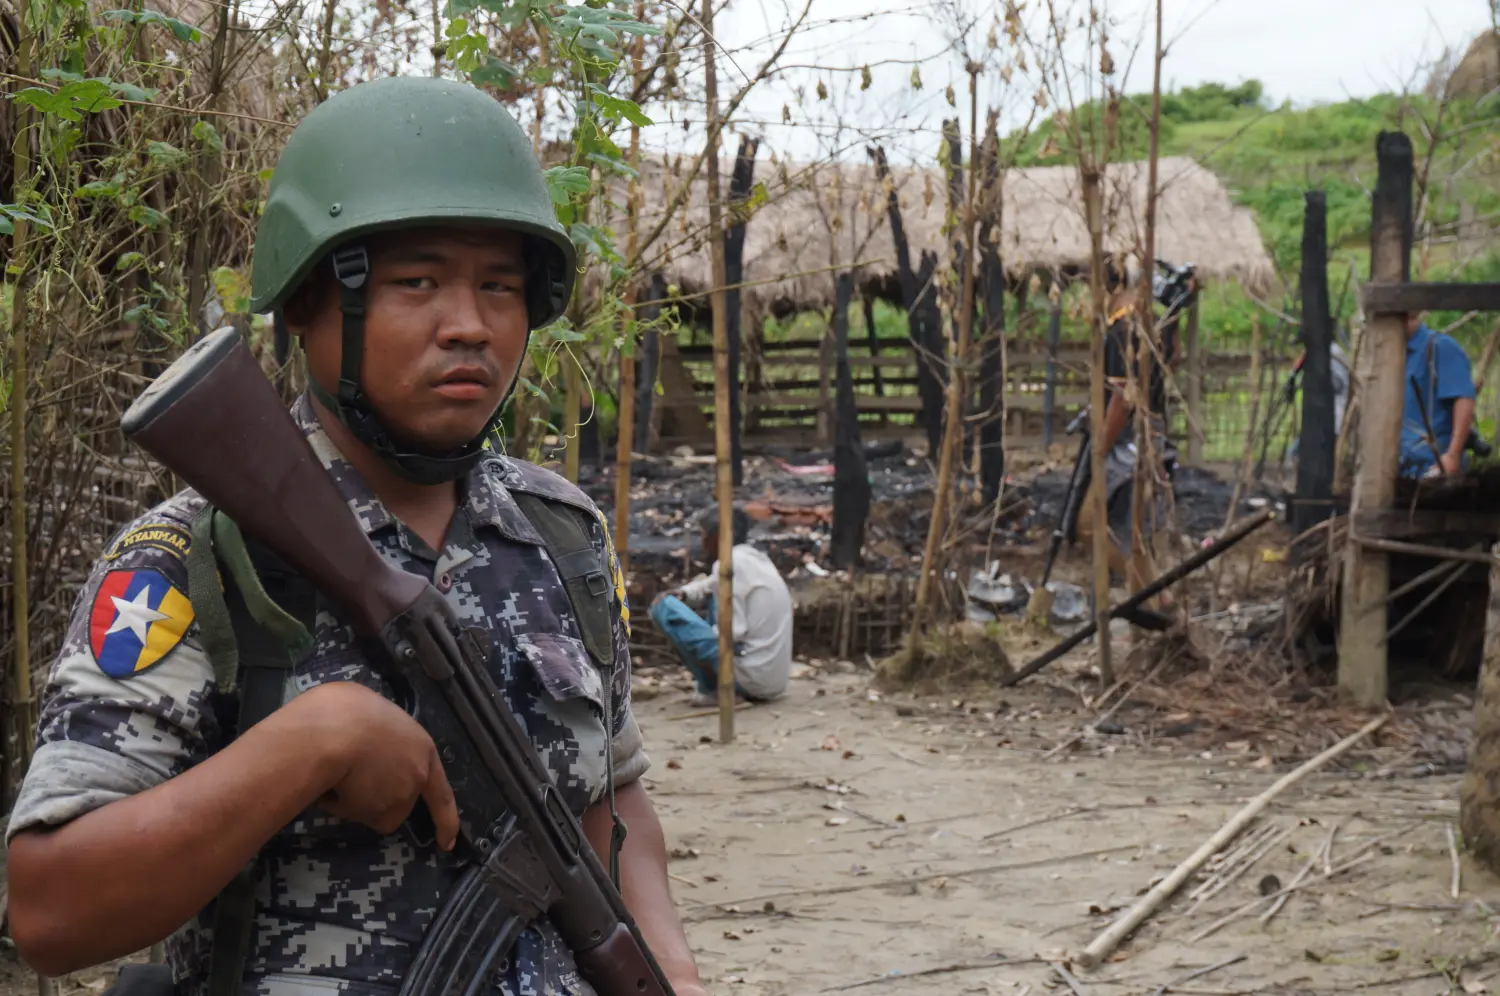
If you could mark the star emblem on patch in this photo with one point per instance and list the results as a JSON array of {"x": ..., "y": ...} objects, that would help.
[{"x": 138, "y": 617}]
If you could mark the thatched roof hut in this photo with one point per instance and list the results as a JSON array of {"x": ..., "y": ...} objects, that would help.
[{"x": 815, "y": 217}]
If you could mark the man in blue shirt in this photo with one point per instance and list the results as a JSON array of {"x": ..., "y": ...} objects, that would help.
[{"x": 1439, "y": 410}]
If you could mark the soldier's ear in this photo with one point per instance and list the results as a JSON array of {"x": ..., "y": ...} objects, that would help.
[{"x": 309, "y": 299}]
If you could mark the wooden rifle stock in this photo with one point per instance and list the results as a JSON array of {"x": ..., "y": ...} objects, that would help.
[{"x": 214, "y": 420}]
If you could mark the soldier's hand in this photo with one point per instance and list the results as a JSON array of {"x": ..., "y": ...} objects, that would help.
[{"x": 383, "y": 761}]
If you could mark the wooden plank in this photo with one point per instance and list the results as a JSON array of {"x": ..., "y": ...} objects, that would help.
[
  {"x": 1363, "y": 677},
  {"x": 901, "y": 402},
  {"x": 1401, "y": 523},
  {"x": 812, "y": 402},
  {"x": 1390, "y": 297}
]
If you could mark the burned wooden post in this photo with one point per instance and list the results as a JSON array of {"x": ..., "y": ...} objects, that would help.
[
  {"x": 1049, "y": 388},
  {"x": 992, "y": 349},
  {"x": 1194, "y": 387},
  {"x": 926, "y": 324},
  {"x": 851, "y": 479},
  {"x": 1382, "y": 363},
  {"x": 919, "y": 298},
  {"x": 874, "y": 337},
  {"x": 1319, "y": 436},
  {"x": 648, "y": 365},
  {"x": 740, "y": 182}
]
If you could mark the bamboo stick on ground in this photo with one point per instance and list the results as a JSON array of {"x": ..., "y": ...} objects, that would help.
[
  {"x": 1260, "y": 850},
  {"x": 1360, "y": 857},
  {"x": 1231, "y": 859},
  {"x": 1453, "y": 853},
  {"x": 1297, "y": 880},
  {"x": 1104, "y": 945},
  {"x": 1249, "y": 907}
]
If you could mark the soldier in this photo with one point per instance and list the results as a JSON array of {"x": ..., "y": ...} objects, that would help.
[{"x": 409, "y": 243}]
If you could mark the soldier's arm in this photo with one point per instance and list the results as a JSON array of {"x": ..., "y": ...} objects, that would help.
[
  {"x": 643, "y": 882},
  {"x": 643, "y": 857},
  {"x": 131, "y": 816},
  {"x": 122, "y": 877}
]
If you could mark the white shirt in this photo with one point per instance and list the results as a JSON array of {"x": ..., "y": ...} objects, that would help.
[{"x": 762, "y": 621}]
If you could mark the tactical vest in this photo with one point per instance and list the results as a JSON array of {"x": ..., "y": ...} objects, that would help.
[{"x": 258, "y": 624}]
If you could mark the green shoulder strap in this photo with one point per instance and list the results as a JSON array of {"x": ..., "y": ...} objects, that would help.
[
  {"x": 565, "y": 532},
  {"x": 252, "y": 644}
]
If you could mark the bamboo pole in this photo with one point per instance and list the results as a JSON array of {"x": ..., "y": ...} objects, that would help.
[
  {"x": 625, "y": 423},
  {"x": 207, "y": 182},
  {"x": 722, "y": 441},
  {"x": 1104, "y": 945},
  {"x": 21, "y": 692},
  {"x": 572, "y": 406},
  {"x": 953, "y": 430},
  {"x": 1143, "y": 370},
  {"x": 1093, "y": 208},
  {"x": 20, "y": 586}
]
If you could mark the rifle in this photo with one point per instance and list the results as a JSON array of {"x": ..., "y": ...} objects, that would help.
[{"x": 215, "y": 420}]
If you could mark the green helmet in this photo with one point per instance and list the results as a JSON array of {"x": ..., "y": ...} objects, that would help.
[{"x": 399, "y": 153}]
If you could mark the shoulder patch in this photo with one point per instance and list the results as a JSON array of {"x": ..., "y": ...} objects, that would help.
[
  {"x": 616, "y": 575},
  {"x": 137, "y": 618},
  {"x": 165, "y": 536}
]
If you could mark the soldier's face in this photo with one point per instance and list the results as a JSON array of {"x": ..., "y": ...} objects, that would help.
[{"x": 445, "y": 332}]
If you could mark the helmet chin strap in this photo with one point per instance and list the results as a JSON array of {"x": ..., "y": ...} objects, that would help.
[{"x": 351, "y": 265}]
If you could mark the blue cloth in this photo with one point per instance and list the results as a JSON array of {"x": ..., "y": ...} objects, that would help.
[
  {"x": 695, "y": 639},
  {"x": 1437, "y": 365}
]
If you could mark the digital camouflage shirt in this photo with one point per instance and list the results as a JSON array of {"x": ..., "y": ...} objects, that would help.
[{"x": 131, "y": 702}]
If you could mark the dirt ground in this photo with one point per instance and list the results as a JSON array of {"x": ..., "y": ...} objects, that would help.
[{"x": 849, "y": 840}]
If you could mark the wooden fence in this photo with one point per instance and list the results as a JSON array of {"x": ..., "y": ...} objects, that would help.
[{"x": 788, "y": 392}]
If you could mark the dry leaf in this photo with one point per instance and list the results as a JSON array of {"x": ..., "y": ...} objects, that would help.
[{"x": 674, "y": 764}]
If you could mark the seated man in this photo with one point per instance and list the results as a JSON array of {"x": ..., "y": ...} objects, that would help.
[
  {"x": 1439, "y": 410},
  {"x": 762, "y": 619}
]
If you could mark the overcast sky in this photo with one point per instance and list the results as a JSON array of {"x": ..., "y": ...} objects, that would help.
[{"x": 1305, "y": 51}]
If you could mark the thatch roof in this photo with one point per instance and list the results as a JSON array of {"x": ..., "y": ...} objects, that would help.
[
  {"x": 816, "y": 216},
  {"x": 1478, "y": 72}
]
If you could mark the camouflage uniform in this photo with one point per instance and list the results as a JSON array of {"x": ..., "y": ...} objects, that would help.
[{"x": 340, "y": 908}]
